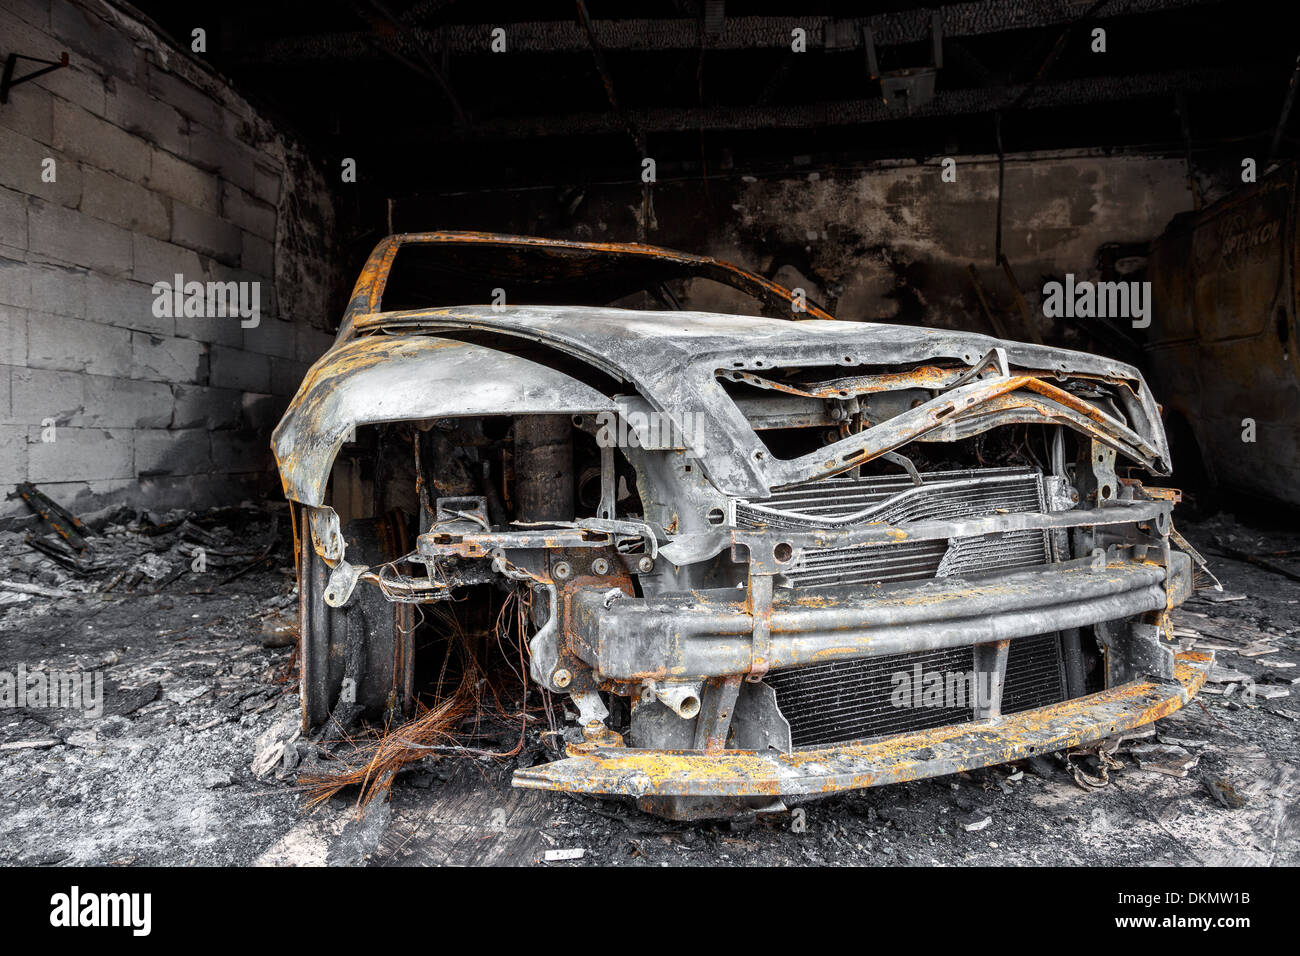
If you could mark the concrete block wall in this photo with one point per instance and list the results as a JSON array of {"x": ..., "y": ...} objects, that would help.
[{"x": 130, "y": 166}]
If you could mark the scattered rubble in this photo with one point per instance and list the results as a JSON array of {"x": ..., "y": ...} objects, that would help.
[
  {"x": 159, "y": 775},
  {"x": 1164, "y": 758},
  {"x": 1226, "y": 597},
  {"x": 1225, "y": 794}
]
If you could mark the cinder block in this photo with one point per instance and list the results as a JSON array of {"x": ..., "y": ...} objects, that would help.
[
  {"x": 241, "y": 452},
  {"x": 59, "y": 289},
  {"x": 168, "y": 359},
  {"x": 30, "y": 114},
  {"x": 214, "y": 329},
  {"x": 23, "y": 169},
  {"x": 241, "y": 121},
  {"x": 237, "y": 163},
  {"x": 78, "y": 83},
  {"x": 41, "y": 394},
  {"x": 80, "y": 454},
  {"x": 287, "y": 375},
  {"x": 126, "y": 304},
  {"x": 157, "y": 261},
  {"x": 80, "y": 28},
  {"x": 255, "y": 294},
  {"x": 124, "y": 204},
  {"x": 272, "y": 337},
  {"x": 25, "y": 37},
  {"x": 99, "y": 143},
  {"x": 126, "y": 403},
  {"x": 26, "y": 34},
  {"x": 205, "y": 233},
  {"x": 236, "y": 368},
  {"x": 257, "y": 256},
  {"x": 262, "y": 413},
  {"x": 13, "y": 218},
  {"x": 36, "y": 13},
  {"x": 182, "y": 180},
  {"x": 171, "y": 452},
  {"x": 138, "y": 112},
  {"x": 268, "y": 182},
  {"x": 6, "y": 405},
  {"x": 200, "y": 406},
  {"x": 184, "y": 97},
  {"x": 13, "y": 335},
  {"x": 61, "y": 342},
  {"x": 267, "y": 303},
  {"x": 15, "y": 282},
  {"x": 77, "y": 239},
  {"x": 248, "y": 211},
  {"x": 13, "y": 456},
  {"x": 312, "y": 343}
]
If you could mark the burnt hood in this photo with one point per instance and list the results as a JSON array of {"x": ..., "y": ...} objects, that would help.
[{"x": 677, "y": 362}]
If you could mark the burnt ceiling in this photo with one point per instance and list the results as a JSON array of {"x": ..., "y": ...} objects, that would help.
[{"x": 413, "y": 90}]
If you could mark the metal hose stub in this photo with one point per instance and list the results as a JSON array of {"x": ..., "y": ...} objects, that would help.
[{"x": 682, "y": 699}]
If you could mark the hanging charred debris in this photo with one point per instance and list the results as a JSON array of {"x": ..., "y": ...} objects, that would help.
[{"x": 717, "y": 539}]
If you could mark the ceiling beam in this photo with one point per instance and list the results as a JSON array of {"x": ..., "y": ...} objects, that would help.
[
  {"x": 384, "y": 28},
  {"x": 1063, "y": 93},
  {"x": 738, "y": 33}
]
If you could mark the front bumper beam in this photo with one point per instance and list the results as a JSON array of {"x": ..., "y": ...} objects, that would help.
[
  {"x": 912, "y": 756},
  {"x": 705, "y": 634}
]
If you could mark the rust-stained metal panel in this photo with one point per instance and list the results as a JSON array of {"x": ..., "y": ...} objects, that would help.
[{"x": 381, "y": 379}]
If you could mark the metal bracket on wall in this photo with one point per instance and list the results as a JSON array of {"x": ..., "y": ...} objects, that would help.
[
  {"x": 911, "y": 88},
  {"x": 8, "y": 81}
]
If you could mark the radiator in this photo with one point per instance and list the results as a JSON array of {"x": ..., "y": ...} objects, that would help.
[
  {"x": 845, "y": 502},
  {"x": 843, "y": 701},
  {"x": 851, "y": 700}
]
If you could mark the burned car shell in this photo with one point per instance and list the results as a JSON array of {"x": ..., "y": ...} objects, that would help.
[{"x": 716, "y": 668}]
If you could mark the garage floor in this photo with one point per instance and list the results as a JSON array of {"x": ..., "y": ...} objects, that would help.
[{"x": 193, "y": 695}]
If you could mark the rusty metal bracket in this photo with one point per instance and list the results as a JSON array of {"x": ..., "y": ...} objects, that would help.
[
  {"x": 342, "y": 581},
  {"x": 913, "y": 87},
  {"x": 608, "y": 483},
  {"x": 8, "y": 81},
  {"x": 990, "y": 659},
  {"x": 759, "y": 605},
  {"x": 326, "y": 535},
  {"x": 1100, "y": 482},
  {"x": 716, "y": 711},
  {"x": 993, "y": 365}
]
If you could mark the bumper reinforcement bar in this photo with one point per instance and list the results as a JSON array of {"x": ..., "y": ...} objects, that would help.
[{"x": 911, "y": 756}]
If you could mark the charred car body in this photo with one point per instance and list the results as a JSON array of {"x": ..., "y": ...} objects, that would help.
[{"x": 740, "y": 535}]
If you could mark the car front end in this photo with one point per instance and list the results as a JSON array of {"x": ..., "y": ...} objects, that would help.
[{"x": 764, "y": 559}]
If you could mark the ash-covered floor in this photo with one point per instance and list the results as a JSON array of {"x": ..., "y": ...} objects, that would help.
[{"x": 200, "y": 682}]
